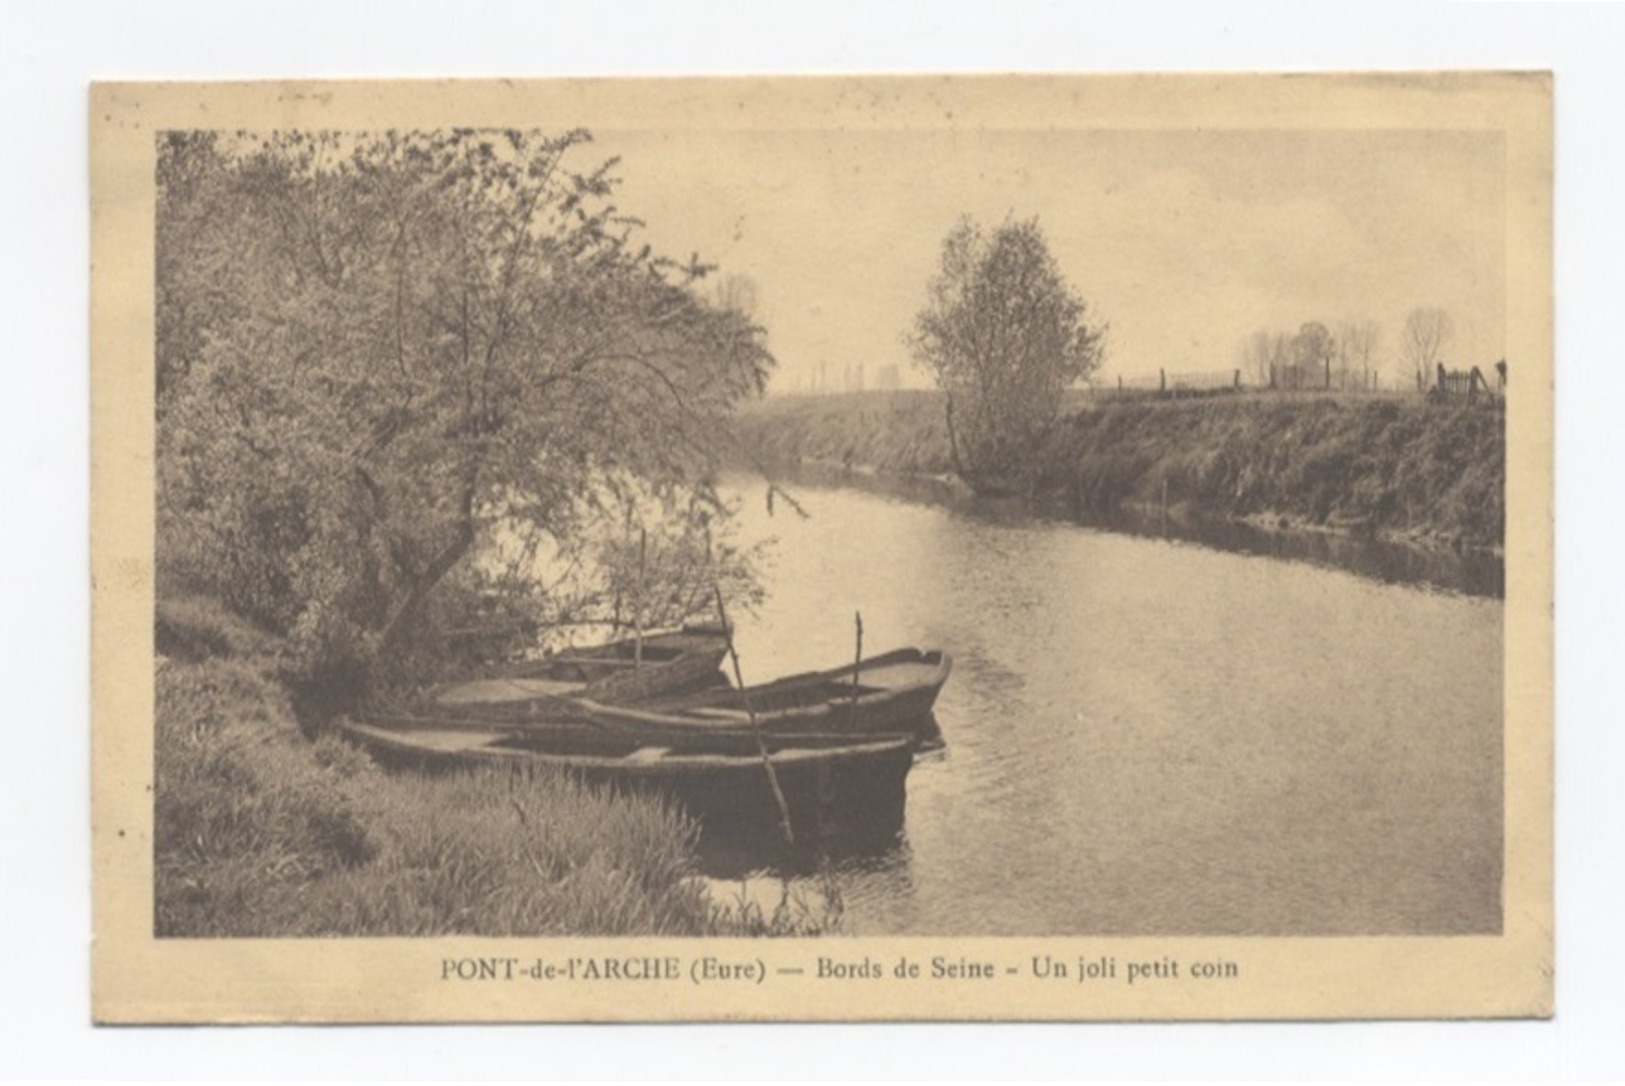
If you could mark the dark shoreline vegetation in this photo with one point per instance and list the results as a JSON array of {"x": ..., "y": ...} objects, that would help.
[
  {"x": 1397, "y": 469},
  {"x": 260, "y": 831}
]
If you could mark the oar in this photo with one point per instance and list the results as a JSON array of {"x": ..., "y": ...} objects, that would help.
[
  {"x": 755, "y": 726},
  {"x": 857, "y": 673}
]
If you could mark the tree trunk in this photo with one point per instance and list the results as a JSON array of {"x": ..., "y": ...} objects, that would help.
[
  {"x": 435, "y": 572},
  {"x": 953, "y": 441}
]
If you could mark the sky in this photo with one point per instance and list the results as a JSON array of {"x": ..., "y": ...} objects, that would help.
[{"x": 1183, "y": 242}]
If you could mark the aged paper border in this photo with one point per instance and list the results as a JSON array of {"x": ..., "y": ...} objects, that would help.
[{"x": 140, "y": 979}]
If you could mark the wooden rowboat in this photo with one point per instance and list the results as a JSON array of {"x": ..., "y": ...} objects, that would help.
[
  {"x": 893, "y": 693},
  {"x": 620, "y": 672},
  {"x": 709, "y": 775}
]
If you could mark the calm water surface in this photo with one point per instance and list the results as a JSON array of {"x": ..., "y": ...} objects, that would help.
[{"x": 1143, "y": 735}]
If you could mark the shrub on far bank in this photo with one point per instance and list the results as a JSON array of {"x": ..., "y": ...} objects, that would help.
[{"x": 1370, "y": 463}]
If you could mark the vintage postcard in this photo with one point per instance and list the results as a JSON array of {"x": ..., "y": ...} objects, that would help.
[{"x": 900, "y": 548}]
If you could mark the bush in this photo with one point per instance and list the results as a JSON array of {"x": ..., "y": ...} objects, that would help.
[
  {"x": 191, "y": 627},
  {"x": 1380, "y": 463}
]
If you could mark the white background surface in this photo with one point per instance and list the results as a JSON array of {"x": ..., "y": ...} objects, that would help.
[{"x": 50, "y": 53}]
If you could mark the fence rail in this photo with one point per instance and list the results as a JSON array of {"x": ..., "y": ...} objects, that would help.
[{"x": 1468, "y": 386}]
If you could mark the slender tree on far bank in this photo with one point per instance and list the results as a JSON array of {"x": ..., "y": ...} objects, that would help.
[
  {"x": 1257, "y": 356},
  {"x": 1357, "y": 342},
  {"x": 1004, "y": 336},
  {"x": 1426, "y": 332}
]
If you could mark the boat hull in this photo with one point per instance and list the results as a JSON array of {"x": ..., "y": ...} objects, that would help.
[{"x": 715, "y": 777}]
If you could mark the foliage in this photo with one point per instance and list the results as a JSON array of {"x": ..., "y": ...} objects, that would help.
[
  {"x": 1408, "y": 470},
  {"x": 1312, "y": 350},
  {"x": 1313, "y": 357},
  {"x": 643, "y": 556},
  {"x": 1357, "y": 343},
  {"x": 1397, "y": 469},
  {"x": 1262, "y": 353},
  {"x": 898, "y": 432},
  {"x": 375, "y": 351},
  {"x": 1004, "y": 336}
]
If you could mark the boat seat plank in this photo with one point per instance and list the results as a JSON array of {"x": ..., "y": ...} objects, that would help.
[
  {"x": 903, "y": 673},
  {"x": 451, "y": 741},
  {"x": 498, "y": 691},
  {"x": 717, "y": 712}
]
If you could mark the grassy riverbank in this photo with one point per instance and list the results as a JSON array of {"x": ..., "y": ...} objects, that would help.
[
  {"x": 1392, "y": 467},
  {"x": 259, "y": 831}
]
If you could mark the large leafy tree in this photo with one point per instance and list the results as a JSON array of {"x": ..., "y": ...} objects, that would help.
[
  {"x": 1004, "y": 335},
  {"x": 378, "y": 352}
]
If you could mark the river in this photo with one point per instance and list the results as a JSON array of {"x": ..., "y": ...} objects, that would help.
[{"x": 1142, "y": 735}]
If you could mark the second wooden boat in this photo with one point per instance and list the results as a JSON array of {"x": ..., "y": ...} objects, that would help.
[
  {"x": 885, "y": 694},
  {"x": 667, "y": 663}
]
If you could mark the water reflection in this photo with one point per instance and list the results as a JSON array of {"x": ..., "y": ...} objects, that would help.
[
  {"x": 1468, "y": 573},
  {"x": 857, "y": 826},
  {"x": 863, "y": 835},
  {"x": 1142, "y": 736}
]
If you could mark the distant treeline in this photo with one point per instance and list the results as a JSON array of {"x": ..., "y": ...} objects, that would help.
[{"x": 1399, "y": 469}]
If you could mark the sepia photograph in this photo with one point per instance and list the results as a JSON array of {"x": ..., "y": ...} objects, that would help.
[{"x": 902, "y": 545}]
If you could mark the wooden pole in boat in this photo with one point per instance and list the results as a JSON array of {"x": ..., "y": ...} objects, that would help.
[
  {"x": 637, "y": 614},
  {"x": 857, "y": 671},
  {"x": 755, "y": 726}
]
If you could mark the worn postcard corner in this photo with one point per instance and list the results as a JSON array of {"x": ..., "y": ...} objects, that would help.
[{"x": 802, "y": 549}]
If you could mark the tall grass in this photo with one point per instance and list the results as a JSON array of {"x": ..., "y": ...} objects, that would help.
[
  {"x": 1399, "y": 468},
  {"x": 1374, "y": 465},
  {"x": 261, "y": 832},
  {"x": 901, "y": 432}
]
